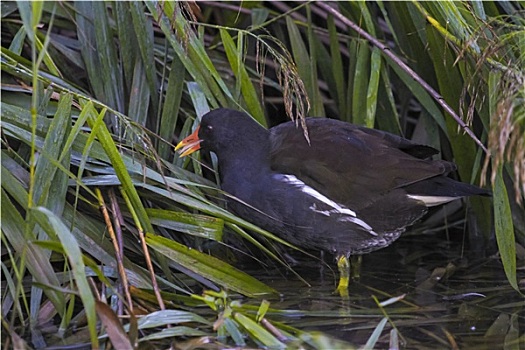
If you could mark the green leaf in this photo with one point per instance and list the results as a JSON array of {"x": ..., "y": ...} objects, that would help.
[
  {"x": 144, "y": 37},
  {"x": 359, "y": 99},
  {"x": 31, "y": 12},
  {"x": 450, "y": 86},
  {"x": 421, "y": 94},
  {"x": 316, "y": 98},
  {"x": 235, "y": 57},
  {"x": 48, "y": 178},
  {"x": 259, "y": 332},
  {"x": 165, "y": 317},
  {"x": 373, "y": 85},
  {"x": 170, "y": 109},
  {"x": 106, "y": 140},
  {"x": 17, "y": 43},
  {"x": 259, "y": 15},
  {"x": 44, "y": 54},
  {"x": 374, "y": 337},
  {"x": 209, "y": 267},
  {"x": 337, "y": 66},
  {"x": 307, "y": 70},
  {"x": 37, "y": 260},
  {"x": 233, "y": 330},
  {"x": 191, "y": 52},
  {"x": 90, "y": 263},
  {"x": 263, "y": 309},
  {"x": 96, "y": 38},
  {"x": 128, "y": 46},
  {"x": 194, "y": 224},
  {"x": 140, "y": 95},
  {"x": 504, "y": 229},
  {"x": 198, "y": 98},
  {"x": 180, "y": 331},
  {"x": 54, "y": 226}
]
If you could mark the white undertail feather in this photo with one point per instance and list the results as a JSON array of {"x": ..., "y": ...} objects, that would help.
[{"x": 432, "y": 201}]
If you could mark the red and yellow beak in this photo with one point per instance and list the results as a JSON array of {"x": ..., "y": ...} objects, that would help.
[{"x": 190, "y": 144}]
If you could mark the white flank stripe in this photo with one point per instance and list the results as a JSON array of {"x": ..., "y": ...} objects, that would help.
[
  {"x": 362, "y": 224},
  {"x": 337, "y": 209},
  {"x": 312, "y": 192}
]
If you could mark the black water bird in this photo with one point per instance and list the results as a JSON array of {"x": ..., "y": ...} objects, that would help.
[{"x": 349, "y": 190}]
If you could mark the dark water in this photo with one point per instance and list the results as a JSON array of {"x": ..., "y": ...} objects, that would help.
[{"x": 452, "y": 297}]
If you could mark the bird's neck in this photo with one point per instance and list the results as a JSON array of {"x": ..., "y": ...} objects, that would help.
[
  {"x": 248, "y": 165},
  {"x": 245, "y": 165}
]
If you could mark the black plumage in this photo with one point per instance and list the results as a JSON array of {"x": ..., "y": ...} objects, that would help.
[{"x": 349, "y": 190}]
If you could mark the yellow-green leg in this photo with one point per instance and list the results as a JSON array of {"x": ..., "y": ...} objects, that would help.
[
  {"x": 344, "y": 275},
  {"x": 347, "y": 269},
  {"x": 355, "y": 266}
]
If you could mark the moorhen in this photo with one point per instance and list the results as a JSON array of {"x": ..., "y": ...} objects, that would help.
[{"x": 349, "y": 190}]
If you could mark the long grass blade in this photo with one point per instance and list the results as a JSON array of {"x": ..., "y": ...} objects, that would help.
[
  {"x": 36, "y": 259},
  {"x": 170, "y": 111},
  {"x": 235, "y": 56},
  {"x": 209, "y": 267},
  {"x": 144, "y": 36},
  {"x": 54, "y": 226},
  {"x": 505, "y": 229}
]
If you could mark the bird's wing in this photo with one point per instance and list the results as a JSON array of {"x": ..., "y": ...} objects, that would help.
[{"x": 352, "y": 165}]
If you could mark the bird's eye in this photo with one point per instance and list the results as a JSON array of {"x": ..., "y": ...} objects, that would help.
[{"x": 209, "y": 127}]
